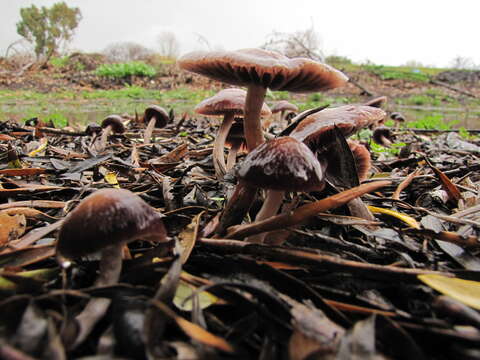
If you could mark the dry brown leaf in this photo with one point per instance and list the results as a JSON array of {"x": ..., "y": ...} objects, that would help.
[{"x": 11, "y": 227}]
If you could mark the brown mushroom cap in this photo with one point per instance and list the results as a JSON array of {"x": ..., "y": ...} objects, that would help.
[
  {"x": 93, "y": 128},
  {"x": 160, "y": 114},
  {"x": 236, "y": 134},
  {"x": 362, "y": 159},
  {"x": 315, "y": 129},
  {"x": 115, "y": 122},
  {"x": 227, "y": 101},
  {"x": 396, "y": 116},
  {"x": 382, "y": 135},
  {"x": 378, "y": 102},
  {"x": 284, "y": 164},
  {"x": 262, "y": 67},
  {"x": 107, "y": 217},
  {"x": 283, "y": 105}
]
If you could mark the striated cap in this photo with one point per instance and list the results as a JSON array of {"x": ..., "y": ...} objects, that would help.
[
  {"x": 115, "y": 122},
  {"x": 315, "y": 130},
  {"x": 158, "y": 113},
  {"x": 262, "y": 67},
  {"x": 283, "y": 105},
  {"x": 283, "y": 163},
  {"x": 378, "y": 102},
  {"x": 227, "y": 101},
  {"x": 362, "y": 159},
  {"x": 105, "y": 218}
]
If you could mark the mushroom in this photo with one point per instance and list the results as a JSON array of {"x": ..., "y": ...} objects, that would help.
[
  {"x": 279, "y": 165},
  {"x": 281, "y": 107},
  {"x": 362, "y": 159},
  {"x": 382, "y": 136},
  {"x": 157, "y": 117},
  {"x": 227, "y": 102},
  {"x": 259, "y": 69},
  {"x": 112, "y": 123},
  {"x": 398, "y": 118},
  {"x": 105, "y": 221},
  {"x": 236, "y": 142},
  {"x": 378, "y": 102}
]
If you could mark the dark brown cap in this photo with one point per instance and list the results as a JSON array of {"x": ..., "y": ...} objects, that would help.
[
  {"x": 236, "y": 135},
  {"x": 158, "y": 113},
  {"x": 283, "y": 105},
  {"x": 93, "y": 128},
  {"x": 115, "y": 122},
  {"x": 315, "y": 130},
  {"x": 227, "y": 101},
  {"x": 362, "y": 159},
  {"x": 108, "y": 217},
  {"x": 382, "y": 135},
  {"x": 396, "y": 116},
  {"x": 283, "y": 163},
  {"x": 262, "y": 67}
]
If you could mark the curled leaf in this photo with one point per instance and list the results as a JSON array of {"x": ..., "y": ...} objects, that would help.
[{"x": 402, "y": 217}]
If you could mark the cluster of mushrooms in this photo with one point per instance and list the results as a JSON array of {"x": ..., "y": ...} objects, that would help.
[{"x": 293, "y": 161}]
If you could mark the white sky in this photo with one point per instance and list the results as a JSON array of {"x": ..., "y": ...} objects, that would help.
[{"x": 385, "y": 32}]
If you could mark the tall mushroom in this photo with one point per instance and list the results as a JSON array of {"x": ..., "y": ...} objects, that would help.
[
  {"x": 227, "y": 102},
  {"x": 157, "y": 117},
  {"x": 258, "y": 70},
  {"x": 105, "y": 221},
  {"x": 112, "y": 123},
  {"x": 280, "y": 165}
]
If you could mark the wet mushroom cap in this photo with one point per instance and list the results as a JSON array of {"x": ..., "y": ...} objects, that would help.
[
  {"x": 380, "y": 134},
  {"x": 315, "y": 130},
  {"x": 160, "y": 114},
  {"x": 235, "y": 134},
  {"x": 377, "y": 102},
  {"x": 396, "y": 116},
  {"x": 283, "y": 105},
  {"x": 115, "y": 122},
  {"x": 93, "y": 128},
  {"x": 108, "y": 217},
  {"x": 282, "y": 164},
  {"x": 262, "y": 67},
  {"x": 227, "y": 100}
]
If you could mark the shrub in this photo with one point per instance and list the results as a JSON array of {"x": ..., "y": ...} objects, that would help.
[{"x": 124, "y": 70}]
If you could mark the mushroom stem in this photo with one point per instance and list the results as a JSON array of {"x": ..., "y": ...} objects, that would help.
[
  {"x": 273, "y": 201},
  {"x": 103, "y": 140},
  {"x": 304, "y": 212},
  {"x": 251, "y": 121},
  {"x": 237, "y": 206},
  {"x": 147, "y": 136},
  {"x": 232, "y": 154},
  {"x": 219, "y": 144},
  {"x": 110, "y": 267}
]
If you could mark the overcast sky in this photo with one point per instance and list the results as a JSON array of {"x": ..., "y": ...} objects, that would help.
[{"x": 385, "y": 32}]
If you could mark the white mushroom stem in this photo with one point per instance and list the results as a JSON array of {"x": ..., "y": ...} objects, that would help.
[
  {"x": 251, "y": 121},
  {"x": 103, "y": 140},
  {"x": 232, "y": 154},
  {"x": 147, "y": 136},
  {"x": 110, "y": 267},
  {"x": 270, "y": 207},
  {"x": 219, "y": 144}
]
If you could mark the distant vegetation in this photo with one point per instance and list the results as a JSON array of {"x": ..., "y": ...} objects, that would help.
[{"x": 124, "y": 70}]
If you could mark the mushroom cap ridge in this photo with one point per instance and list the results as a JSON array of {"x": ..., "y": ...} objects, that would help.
[
  {"x": 107, "y": 217},
  {"x": 262, "y": 67}
]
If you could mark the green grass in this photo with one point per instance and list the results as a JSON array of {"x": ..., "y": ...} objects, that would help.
[
  {"x": 432, "y": 122},
  {"x": 402, "y": 72},
  {"x": 124, "y": 70}
]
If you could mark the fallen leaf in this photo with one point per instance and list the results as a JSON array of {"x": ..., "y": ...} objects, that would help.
[
  {"x": 11, "y": 227},
  {"x": 402, "y": 217}
]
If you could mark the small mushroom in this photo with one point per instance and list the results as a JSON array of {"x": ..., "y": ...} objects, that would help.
[
  {"x": 362, "y": 159},
  {"x": 397, "y": 118},
  {"x": 112, "y": 123},
  {"x": 280, "y": 165},
  {"x": 281, "y": 108},
  {"x": 105, "y": 221},
  {"x": 378, "y": 102},
  {"x": 157, "y": 117},
  {"x": 382, "y": 135},
  {"x": 235, "y": 142},
  {"x": 227, "y": 102}
]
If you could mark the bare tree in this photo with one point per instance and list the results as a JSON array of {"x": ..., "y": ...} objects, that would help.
[
  {"x": 302, "y": 43},
  {"x": 126, "y": 51},
  {"x": 460, "y": 62},
  {"x": 168, "y": 44}
]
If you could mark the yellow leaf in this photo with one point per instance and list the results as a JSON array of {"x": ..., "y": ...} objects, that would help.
[
  {"x": 43, "y": 146},
  {"x": 183, "y": 299},
  {"x": 402, "y": 217},
  {"x": 188, "y": 237},
  {"x": 465, "y": 291},
  {"x": 111, "y": 178}
]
